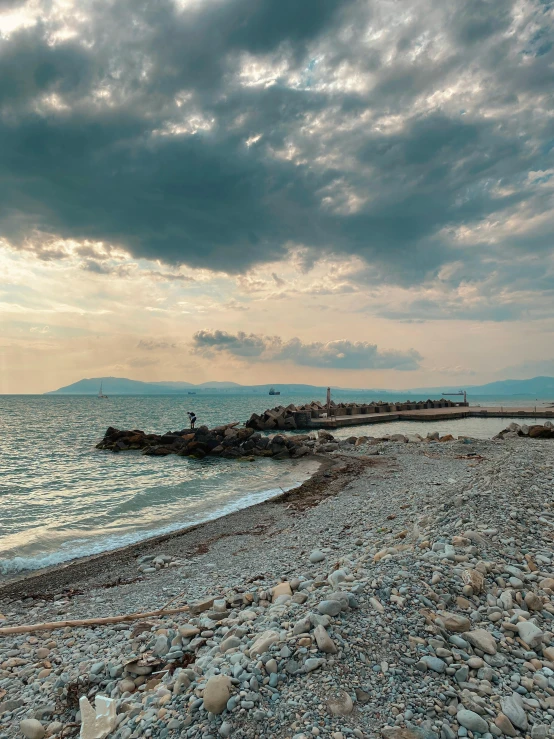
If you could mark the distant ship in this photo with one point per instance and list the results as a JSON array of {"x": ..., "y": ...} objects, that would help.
[
  {"x": 274, "y": 392},
  {"x": 191, "y": 392},
  {"x": 101, "y": 394}
]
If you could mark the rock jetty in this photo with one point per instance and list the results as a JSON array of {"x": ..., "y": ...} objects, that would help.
[
  {"x": 231, "y": 442},
  {"x": 299, "y": 416},
  {"x": 224, "y": 441},
  {"x": 536, "y": 431}
]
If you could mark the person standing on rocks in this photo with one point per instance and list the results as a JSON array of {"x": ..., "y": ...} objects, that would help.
[{"x": 192, "y": 418}]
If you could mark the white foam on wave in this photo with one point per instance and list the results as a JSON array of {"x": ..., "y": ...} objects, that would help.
[{"x": 78, "y": 548}]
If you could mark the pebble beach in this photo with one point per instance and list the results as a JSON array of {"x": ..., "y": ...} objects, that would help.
[{"x": 404, "y": 591}]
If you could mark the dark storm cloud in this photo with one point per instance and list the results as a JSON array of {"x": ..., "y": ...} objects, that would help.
[
  {"x": 474, "y": 21},
  {"x": 340, "y": 354},
  {"x": 134, "y": 130}
]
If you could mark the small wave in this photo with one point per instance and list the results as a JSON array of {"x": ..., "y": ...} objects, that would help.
[{"x": 72, "y": 550}]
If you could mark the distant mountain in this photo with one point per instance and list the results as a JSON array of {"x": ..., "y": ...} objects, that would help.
[
  {"x": 537, "y": 387},
  {"x": 123, "y": 386},
  {"x": 219, "y": 384}
]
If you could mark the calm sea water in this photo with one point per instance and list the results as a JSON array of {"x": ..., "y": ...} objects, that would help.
[{"x": 60, "y": 498}]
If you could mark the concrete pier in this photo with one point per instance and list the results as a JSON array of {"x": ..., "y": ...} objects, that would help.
[{"x": 429, "y": 414}]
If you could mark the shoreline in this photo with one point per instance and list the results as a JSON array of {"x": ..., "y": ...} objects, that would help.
[
  {"x": 68, "y": 574},
  {"x": 161, "y": 535}
]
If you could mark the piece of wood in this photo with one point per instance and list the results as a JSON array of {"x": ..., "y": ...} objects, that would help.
[
  {"x": 175, "y": 597},
  {"x": 52, "y": 625}
]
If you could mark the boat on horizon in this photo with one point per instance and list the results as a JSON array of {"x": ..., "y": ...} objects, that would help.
[
  {"x": 272, "y": 391},
  {"x": 101, "y": 394}
]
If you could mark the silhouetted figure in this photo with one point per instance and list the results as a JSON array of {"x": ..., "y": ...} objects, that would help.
[{"x": 192, "y": 418}]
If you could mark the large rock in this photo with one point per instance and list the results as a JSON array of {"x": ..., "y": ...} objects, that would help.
[
  {"x": 340, "y": 704},
  {"x": 475, "y": 579},
  {"x": 263, "y": 642},
  {"x": 283, "y": 588},
  {"x": 202, "y": 605},
  {"x": 454, "y": 622},
  {"x": 188, "y": 631},
  {"x": 539, "y": 432},
  {"x": 512, "y": 707},
  {"x": 232, "y": 642},
  {"x": 505, "y": 725},
  {"x": 32, "y": 729},
  {"x": 97, "y": 721},
  {"x": 434, "y": 663},
  {"x": 324, "y": 641},
  {"x": 472, "y": 721},
  {"x": 481, "y": 639},
  {"x": 216, "y": 693},
  {"x": 316, "y": 556},
  {"x": 533, "y": 601},
  {"x": 530, "y": 633},
  {"x": 330, "y": 607}
]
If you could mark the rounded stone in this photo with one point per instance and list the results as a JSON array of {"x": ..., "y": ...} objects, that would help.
[
  {"x": 32, "y": 728},
  {"x": 217, "y": 693},
  {"x": 330, "y": 607},
  {"x": 340, "y": 704},
  {"x": 472, "y": 721},
  {"x": 316, "y": 556},
  {"x": 127, "y": 685}
]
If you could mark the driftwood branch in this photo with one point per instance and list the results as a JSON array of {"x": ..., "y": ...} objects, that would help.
[
  {"x": 52, "y": 625},
  {"x": 176, "y": 597}
]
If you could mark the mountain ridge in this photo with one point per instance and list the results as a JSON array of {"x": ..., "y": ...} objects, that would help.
[{"x": 535, "y": 386}]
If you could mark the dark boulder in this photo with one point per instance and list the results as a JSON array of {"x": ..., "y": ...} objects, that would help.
[{"x": 540, "y": 432}]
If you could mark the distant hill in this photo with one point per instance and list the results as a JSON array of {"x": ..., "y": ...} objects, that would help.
[
  {"x": 123, "y": 386},
  {"x": 536, "y": 387},
  {"x": 539, "y": 387},
  {"x": 179, "y": 385}
]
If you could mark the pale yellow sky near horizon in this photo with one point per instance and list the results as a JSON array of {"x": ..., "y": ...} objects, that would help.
[{"x": 62, "y": 322}]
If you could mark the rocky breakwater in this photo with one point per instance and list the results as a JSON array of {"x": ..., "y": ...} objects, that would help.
[
  {"x": 284, "y": 418},
  {"x": 536, "y": 431},
  {"x": 299, "y": 416},
  {"x": 223, "y": 441},
  {"x": 231, "y": 442}
]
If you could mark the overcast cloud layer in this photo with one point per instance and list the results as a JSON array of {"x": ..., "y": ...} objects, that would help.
[
  {"x": 374, "y": 162},
  {"x": 214, "y": 133}
]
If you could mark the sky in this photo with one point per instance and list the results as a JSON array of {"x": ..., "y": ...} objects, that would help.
[{"x": 346, "y": 192}]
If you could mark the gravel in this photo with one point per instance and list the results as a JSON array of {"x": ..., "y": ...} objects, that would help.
[{"x": 428, "y": 539}]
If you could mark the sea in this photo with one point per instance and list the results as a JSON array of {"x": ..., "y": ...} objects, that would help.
[{"x": 61, "y": 498}]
